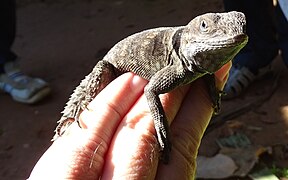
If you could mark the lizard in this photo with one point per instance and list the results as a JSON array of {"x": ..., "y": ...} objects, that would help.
[{"x": 168, "y": 57}]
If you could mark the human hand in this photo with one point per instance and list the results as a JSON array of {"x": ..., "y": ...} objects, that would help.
[{"x": 117, "y": 138}]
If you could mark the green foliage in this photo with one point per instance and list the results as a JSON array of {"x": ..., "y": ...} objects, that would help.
[{"x": 280, "y": 172}]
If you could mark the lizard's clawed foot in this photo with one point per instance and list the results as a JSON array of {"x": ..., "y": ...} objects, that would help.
[
  {"x": 165, "y": 153},
  {"x": 216, "y": 101}
]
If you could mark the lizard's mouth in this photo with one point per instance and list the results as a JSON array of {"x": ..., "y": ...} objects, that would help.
[{"x": 229, "y": 42}]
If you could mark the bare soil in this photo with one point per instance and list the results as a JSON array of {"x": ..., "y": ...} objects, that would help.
[{"x": 60, "y": 41}]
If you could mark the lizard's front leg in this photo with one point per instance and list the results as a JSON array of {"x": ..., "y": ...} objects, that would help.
[
  {"x": 160, "y": 122},
  {"x": 163, "y": 81}
]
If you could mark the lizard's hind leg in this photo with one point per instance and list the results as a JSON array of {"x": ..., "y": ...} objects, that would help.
[{"x": 102, "y": 74}]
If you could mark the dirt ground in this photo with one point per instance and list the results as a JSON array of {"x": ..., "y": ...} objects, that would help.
[{"x": 60, "y": 41}]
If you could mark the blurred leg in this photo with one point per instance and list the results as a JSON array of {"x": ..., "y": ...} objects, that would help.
[
  {"x": 7, "y": 30},
  {"x": 282, "y": 29}
]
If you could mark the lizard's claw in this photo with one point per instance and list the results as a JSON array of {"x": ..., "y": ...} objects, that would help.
[
  {"x": 217, "y": 102},
  {"x": 165, "y": 152}
]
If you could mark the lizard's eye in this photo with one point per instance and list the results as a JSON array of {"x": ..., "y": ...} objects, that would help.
[{"x": 203, "y": 26}]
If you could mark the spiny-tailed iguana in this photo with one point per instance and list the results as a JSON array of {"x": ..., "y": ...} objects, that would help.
[{"x": 168, "y": 57}]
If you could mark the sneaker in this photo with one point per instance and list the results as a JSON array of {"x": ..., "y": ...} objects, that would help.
[
  {"x": 22, "y": 88},
  {"x": 240, "y": 78}
]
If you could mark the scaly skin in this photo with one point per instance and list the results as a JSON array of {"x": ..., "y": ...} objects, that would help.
[{"x": 168, "y": 57}]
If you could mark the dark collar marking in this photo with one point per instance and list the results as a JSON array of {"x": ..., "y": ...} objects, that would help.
[{"x": 176, "y": 41}]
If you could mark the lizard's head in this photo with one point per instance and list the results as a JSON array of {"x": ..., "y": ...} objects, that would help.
[{"x": 209, "y": 41}]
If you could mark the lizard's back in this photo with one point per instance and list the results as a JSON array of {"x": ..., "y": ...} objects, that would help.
[{"x": 147, "y": 52}]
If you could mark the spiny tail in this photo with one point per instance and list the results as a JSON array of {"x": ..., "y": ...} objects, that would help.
[{"x": 101, "y": 75}]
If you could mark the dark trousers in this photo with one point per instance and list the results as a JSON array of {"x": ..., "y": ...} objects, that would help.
[
  {"x": 282, "y": 29},
  {"x": 263, "y": 29},
  {"x": 7, "y": 31}
]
